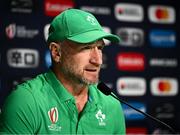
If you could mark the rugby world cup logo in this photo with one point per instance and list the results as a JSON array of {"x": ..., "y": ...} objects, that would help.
[{"x": 53, "y": 115}]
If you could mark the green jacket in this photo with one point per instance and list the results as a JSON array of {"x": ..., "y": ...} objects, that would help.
[{"x": 43, "y": 106}]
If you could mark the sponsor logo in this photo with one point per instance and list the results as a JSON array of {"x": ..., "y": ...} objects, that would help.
[
  {"x": 101, "y": 118},
  {"x": 46, "y": 31},
  {"x": 97, "y": 10},
  {"x": 11, "y": 31},
  {"x": 22, "y": 58},
  {"x": 22, "y": 6},
  {"x": 129, "y": 12},
  {"x": 54, "y": 7},
  {"x": 163, "y": 111},
  {"x": 162, "y": 38},
  {"x": 164, "y": 86},
  {"x": 131, "y": 61},
  {"x": 131, "y": 86},
  {"x": 161, "y": 14},
  {"x": 53, "y": 117},
  {"x": 48, "y": 59},
  {"x": 131, "y": 114},
  {"x": 20, "y": 31},
  {"x": 131, "y": 37},
  {"x": 163, "y": 62},
  {"x": 136, "y": 131}
]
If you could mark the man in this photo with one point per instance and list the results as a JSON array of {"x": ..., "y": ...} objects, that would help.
[{"x": 65, "y": 100}]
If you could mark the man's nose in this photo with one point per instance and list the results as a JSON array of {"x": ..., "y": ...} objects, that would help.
[{"x": 96, "y": 56}]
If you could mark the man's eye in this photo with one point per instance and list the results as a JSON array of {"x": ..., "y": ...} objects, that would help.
[
  {"x": 100, "y": 47},
  {"x": 86, "y": 48},
  {"x": 90, "y": 47}
]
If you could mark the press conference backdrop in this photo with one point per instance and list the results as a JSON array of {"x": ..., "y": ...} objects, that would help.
[{"x": 143, "y": 69}]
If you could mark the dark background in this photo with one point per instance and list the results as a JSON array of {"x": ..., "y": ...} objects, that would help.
[{"x": 32, "y": 16}]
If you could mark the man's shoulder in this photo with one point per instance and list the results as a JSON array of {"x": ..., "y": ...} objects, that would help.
[
  {"x": 29, "y": 88},
  {"x": 27, "y": 92},
  {"x": 34, "y": 83}
]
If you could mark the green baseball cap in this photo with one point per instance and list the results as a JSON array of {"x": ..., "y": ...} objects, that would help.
[{"x": 78, "y": 26}]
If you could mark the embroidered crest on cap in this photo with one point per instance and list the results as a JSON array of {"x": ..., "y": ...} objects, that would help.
[{"x": 91, "y": 20}]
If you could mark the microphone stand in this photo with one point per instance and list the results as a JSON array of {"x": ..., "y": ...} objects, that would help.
[{"x": 107, "y": 91}]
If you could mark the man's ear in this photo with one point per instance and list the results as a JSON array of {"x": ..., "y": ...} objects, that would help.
[{"x": 55, "y": 50}]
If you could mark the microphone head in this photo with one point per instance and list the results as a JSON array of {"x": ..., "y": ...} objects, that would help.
[{"x": 104, "y": 88}]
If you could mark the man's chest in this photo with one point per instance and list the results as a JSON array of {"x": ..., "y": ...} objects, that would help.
[{"x": 64, "y": 118}]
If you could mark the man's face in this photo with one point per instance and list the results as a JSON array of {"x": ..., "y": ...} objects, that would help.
[{"x": 81, "y": 63}]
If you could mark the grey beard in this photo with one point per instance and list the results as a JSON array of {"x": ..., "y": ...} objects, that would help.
[{"x": 69, "y": 74}]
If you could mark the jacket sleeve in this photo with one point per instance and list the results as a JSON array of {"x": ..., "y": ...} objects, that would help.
[{"x": 19, "y": 113}]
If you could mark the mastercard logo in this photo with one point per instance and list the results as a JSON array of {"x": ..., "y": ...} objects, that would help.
[
  {"x": 162, "y": 13},
  {"x": 164, "y": 86}
]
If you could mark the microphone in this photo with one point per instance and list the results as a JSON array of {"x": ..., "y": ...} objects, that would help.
[{"x": 107, "y": 91}]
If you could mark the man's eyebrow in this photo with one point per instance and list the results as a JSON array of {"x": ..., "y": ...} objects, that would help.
[{"x": 97, "y": 43}]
